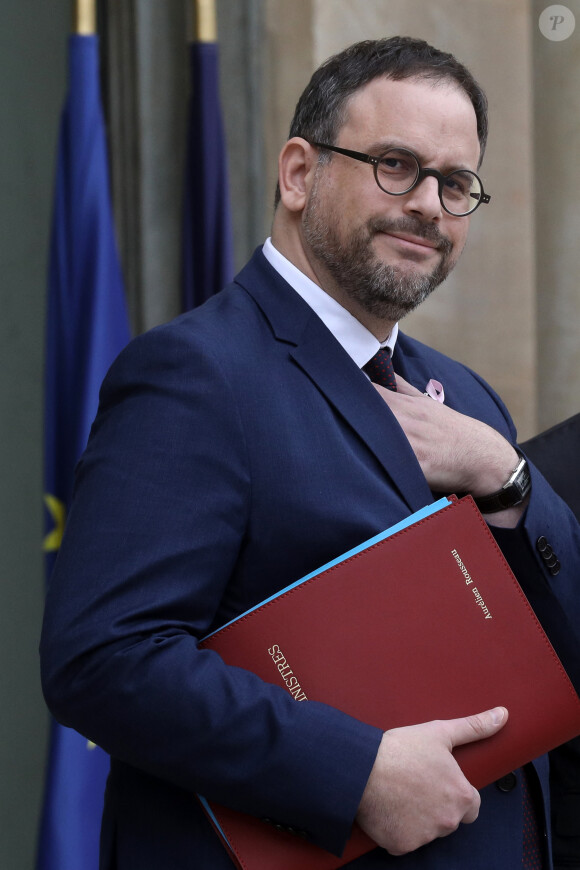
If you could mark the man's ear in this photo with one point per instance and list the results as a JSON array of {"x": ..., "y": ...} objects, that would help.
[{"x": 296, "y": 168}]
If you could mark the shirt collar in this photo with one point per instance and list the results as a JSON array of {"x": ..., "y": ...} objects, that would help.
[{"x": 360, "y": 344}]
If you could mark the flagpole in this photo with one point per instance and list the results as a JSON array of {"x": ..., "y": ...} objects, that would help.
[
  {"x": 207, "y": 239},
  {"x": 85, "y": 17},
  {"x": 205, "y": 21}
]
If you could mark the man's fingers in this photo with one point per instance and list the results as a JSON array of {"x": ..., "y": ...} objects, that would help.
[
  {"x": 405, "y": 388},
  {"x": 473, "y": 811},
  {"x": 416, "y": 791},
  {"x": 477, "y": 727}
]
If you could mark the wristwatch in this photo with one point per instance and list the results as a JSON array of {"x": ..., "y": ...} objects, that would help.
[{"x": 512, "y": 493}]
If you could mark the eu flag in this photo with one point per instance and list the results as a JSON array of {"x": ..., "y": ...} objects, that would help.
[
  {"x": 87, "y": 326},
  {"x": 207, "y": 234}
]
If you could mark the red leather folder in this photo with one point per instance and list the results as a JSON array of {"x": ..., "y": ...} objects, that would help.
[{"x": 426, "y": 622}]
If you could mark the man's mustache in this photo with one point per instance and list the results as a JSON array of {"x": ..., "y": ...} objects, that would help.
[{"x": 415, "y": 227}]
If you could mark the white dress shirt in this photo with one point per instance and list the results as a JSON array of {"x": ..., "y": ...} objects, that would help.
[{"x": 360, "y": 344}]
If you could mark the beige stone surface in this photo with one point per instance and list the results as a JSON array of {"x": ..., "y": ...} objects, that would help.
[{"x": 557, "y": 163}]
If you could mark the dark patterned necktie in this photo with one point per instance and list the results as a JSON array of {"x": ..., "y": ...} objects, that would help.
[
  {"x": 532, "y": 848},
  {"x": 380, "y": 369}
]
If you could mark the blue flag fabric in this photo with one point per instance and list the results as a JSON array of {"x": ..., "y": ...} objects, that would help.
[
  {"x": 208, "y": 261},
  {"x": 87, "y": 326}
]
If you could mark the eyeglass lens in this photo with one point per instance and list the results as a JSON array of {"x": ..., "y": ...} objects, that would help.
[{"x": 398, "y": 171}]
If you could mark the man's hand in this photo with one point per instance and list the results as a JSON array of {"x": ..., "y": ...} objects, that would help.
[
  {"x": 416, "y": 791},
  {"x": 456, "y": 453}
]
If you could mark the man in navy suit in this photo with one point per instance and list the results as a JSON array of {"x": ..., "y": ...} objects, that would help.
[{"x": 242, "y": 446}]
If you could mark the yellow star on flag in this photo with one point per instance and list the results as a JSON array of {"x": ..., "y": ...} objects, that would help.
[{"x": 57, "y": 511}]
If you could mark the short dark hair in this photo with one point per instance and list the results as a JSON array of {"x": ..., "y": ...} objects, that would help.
[{"x": 322, "y": 107}]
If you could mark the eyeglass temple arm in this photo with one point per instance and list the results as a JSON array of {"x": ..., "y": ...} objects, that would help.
[{"x": 357, "y": 155}]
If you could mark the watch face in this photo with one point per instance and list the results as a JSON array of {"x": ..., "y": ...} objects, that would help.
[
  {"x": 522, "y": 481},
  {"x": 513, "y": 493}
]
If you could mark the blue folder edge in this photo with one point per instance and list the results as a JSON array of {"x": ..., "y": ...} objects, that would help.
[
  {"x": 213, "y": 818},
  {"x": 427, "y": 511},
  {"x": 408, "y": 521}
]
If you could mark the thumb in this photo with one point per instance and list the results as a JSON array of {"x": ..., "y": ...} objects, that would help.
[{"x": 477, "y": 727}]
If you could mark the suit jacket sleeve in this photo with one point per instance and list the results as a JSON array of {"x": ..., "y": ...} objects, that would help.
[
  {"x": 155, "y": 533},
  {"x": 553, "y": 593}
]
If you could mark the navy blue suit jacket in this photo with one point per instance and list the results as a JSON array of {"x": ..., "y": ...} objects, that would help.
[{"x": 235, "y": 450}]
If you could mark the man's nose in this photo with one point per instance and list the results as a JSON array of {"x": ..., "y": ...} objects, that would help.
[{"x": 424, "y": 200}]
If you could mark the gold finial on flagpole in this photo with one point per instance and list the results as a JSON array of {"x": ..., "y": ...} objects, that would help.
[
  {"x": 205, "y": 21},
  {"x": 85, "y": 17}
]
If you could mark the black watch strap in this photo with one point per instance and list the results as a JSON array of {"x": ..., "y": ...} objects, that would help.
[{"x": 512, "y": 493}]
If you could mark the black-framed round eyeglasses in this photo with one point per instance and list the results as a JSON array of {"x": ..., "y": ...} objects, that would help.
[{"x": 398, "y": 171}]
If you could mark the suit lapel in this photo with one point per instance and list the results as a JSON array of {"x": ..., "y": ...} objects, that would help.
[
  {"x": 413, "y": 369},
  {"x": 345, "y": 387},
  {"x": 350, "y": 392}
]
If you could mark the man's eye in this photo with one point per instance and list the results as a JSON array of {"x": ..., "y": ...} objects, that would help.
[
  {"x": 392, "y": 164},
  {"x": 460, "y": 183}
]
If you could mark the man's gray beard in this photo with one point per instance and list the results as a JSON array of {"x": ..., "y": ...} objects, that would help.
[{"x": 383, "y": 291}]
